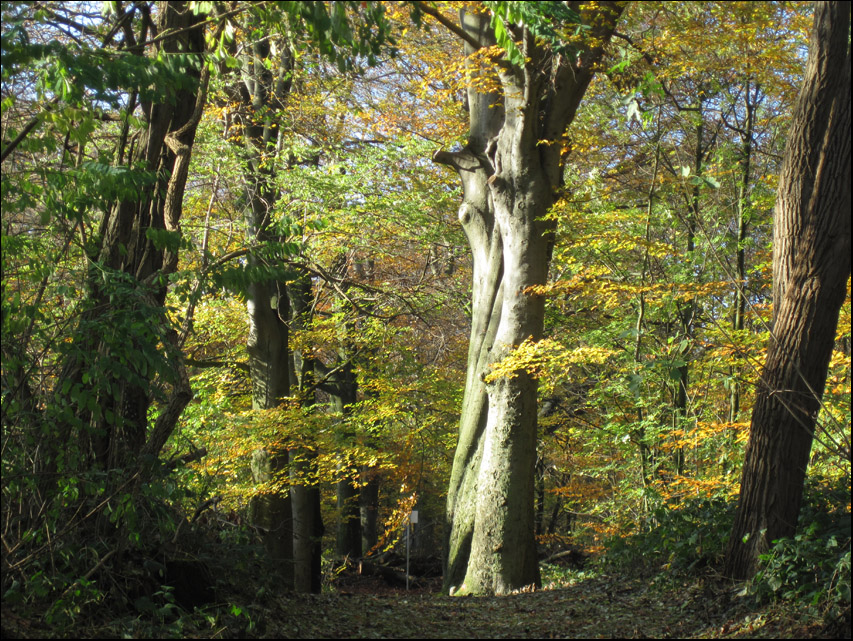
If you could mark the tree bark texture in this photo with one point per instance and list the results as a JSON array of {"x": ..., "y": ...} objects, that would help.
[
  {"x": 811, "y": 266},
  {"x": 511, "y": 170}
]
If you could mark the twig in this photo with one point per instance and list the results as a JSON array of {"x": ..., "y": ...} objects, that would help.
[{"x": 88, "y": 574}]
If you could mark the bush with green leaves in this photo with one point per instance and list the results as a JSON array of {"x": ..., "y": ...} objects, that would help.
[
  {"x": 681, "y": 537},
  {"x": 813, "y": 568}
]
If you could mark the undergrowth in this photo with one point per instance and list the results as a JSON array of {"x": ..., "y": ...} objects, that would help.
[{"x": 810, "y": 574}]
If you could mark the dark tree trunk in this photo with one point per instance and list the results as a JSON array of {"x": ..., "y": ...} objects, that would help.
[
  {"x": 811, "y": 266},
  {"x": 369, "y": 499},
  {"x": 308, "y": 526},
  {"x": 261, "y": 97},
  {"x": 540, "y": 497},
  {"x": 271, "y": 513},
  {"x": 129, "y": 272},
  {"x": 343, "y": 389},
  {"x": 753, "y": 98},
  {"x": 347, "y": 491}
]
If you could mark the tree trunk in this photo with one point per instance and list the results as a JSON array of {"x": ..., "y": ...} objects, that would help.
[
  {"x": 139, "y": 248},
  {"x": 307, "y": 523},
  {"x": 511, "y": 169},
  {"x": 687, "y": 312},
  {"x": 369, "y": 505},
  {"x": 349, "y": 515},
  {"x": 647, "y": 463},
  {"x": 539, "y": 524},
  {"x": 344, "y": 390},
  {"x": 305, "y": 492},
  {"x": 811, "y": 266},
  {"x": 260, "y": 98},
  {"x": 271, "y": 513},
  {"x": 745, "y": 163}
]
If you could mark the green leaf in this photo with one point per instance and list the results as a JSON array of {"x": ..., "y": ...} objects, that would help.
[{"x": 164, "y": 239}]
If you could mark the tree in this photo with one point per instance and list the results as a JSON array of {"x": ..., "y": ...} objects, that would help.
[
  {"x": 259, "y": 96},
  {"x": 621, "y": 246},
  {"x": 511, "y": 171},
  {"x": 811, "y": 266},
  {"x": 132, "y": 255},
  {"x": 278, "y": 288}
]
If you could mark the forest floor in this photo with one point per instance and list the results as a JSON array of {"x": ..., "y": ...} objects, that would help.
[
  {"x": 597, "y": 607},
  {"x": 585, "y": 605}
]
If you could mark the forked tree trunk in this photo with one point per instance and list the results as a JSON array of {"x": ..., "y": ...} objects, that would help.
[
  {"x": 510, "y": 170},
  {"x": 811, "y": 266},
  {"x": 128, "y": 272}
]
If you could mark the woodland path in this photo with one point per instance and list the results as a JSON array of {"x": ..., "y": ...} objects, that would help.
[{"x": 602, "y": 607}]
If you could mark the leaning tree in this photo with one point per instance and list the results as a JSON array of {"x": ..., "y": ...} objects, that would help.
[{"x": 811, "y": 267}]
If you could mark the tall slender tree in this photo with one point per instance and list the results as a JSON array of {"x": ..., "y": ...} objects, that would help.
[
  {"x": 260, "y": 95},
  {"x": 290, "y": 518},
  {"x": 811, "y": 266}
]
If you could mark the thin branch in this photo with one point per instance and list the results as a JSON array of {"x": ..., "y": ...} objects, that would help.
[{"x": 8, "y": 149}]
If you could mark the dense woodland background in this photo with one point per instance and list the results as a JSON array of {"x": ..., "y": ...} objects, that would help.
[{"x": 237, "y": 302}]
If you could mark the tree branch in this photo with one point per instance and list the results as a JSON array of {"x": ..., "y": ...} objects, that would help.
[
  {"x": 8, "y": 149},
  {"x": 450, "y": 25}
]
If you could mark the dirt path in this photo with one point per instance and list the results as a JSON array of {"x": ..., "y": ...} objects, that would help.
[{"x": 603, "y": 607}]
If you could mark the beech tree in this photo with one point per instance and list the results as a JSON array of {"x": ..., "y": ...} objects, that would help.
[
  {"x": 511, "y": 171},
  {"x": 811, "y": 267}
]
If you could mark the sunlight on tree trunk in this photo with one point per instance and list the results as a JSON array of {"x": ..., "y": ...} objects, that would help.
[
  {"x": 811, "y": 266},
  {"x": 510, "y": 170}
]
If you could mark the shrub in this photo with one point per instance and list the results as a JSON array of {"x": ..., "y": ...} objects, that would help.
[
  {"x": 813, "y": 568},
  {"x": 691, "y": 534}
]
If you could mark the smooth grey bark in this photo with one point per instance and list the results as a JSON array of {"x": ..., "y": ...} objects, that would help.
[
  {"x": 511, "y": 169},
  {"x": 811, "y": 267}
]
